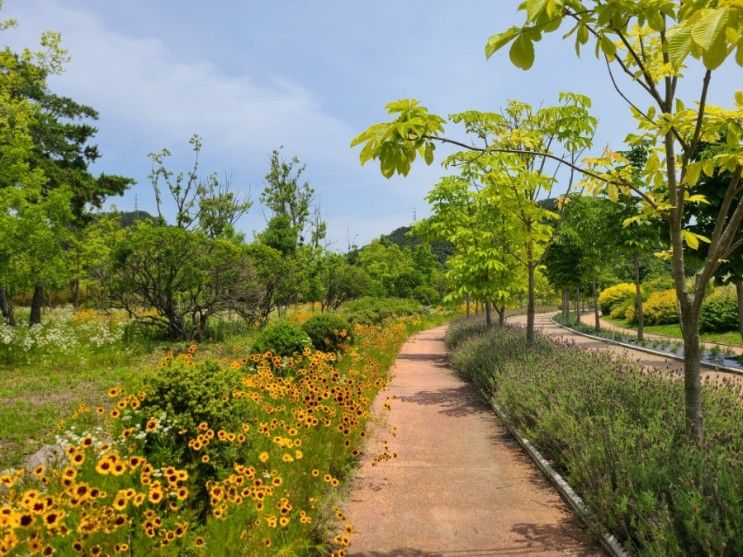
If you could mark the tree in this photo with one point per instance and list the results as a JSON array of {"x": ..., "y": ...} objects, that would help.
[
  {"x": 204, "y": 203},
  {"x": 59, "y": 148},
  {"x": 285, "y": 195},
  {"x": 652, "y": 43},
  {"x": 508, "y": 150},
  {"x": 481, "y": 266},
  {"x": 185, "y": 276}
]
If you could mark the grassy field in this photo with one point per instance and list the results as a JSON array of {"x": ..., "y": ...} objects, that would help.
[
  {"x": 674, "y": 330},
  {"x": 39, "y": 394}
]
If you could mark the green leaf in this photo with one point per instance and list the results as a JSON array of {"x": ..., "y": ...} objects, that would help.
[
  {"x": 679, "y": 44},
  {"x": 496, "y": 42},
  {"x": 709, "y": 27},
  {"x": 690, "y": 239},
  {"x": 607, "y": 46},
  {"x": 522, "y": 52},
  {"x": 534, "y": 8},
  {"x": 428, "y": 153},
  {"x": 692, "y": 174}
]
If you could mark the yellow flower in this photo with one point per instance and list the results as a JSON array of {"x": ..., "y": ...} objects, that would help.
[{"x": 263, "y": 457}]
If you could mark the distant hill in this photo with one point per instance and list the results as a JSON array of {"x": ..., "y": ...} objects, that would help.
[
  {"x": 400, "y": 236},
  {"x": 128, "y": 218}
]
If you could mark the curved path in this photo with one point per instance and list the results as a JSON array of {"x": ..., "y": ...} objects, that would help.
[
  {"x": 589, "y": 319},
  {"x": 458, "y": 485},
  {"x": 652, "y": 362}
]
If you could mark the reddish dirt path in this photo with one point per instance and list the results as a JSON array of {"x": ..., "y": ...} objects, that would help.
[{"x": 459, "y": 485}]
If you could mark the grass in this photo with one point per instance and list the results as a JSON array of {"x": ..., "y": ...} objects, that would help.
[
  {"x": 731, "y": 338},
  {"x": 618, "y": 436},
  {"x": 40, "y": 395}
]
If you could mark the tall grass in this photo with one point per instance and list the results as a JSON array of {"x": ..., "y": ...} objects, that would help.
[{"x": 617, "y": 434}]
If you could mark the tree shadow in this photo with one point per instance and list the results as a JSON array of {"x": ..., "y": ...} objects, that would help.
[
  {"x": 455, "y": 401},
  {"x": 438, "y": 360}
]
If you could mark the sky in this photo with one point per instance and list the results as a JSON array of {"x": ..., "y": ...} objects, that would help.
[{"x": 249, "y": 76}]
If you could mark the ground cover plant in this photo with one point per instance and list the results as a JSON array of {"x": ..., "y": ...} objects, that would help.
[
  {"x": 211, "y": 457},
  {"x": 617, "y": 434}
]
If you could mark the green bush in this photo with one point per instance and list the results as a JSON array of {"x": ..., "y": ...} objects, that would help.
[
  {"x": 660, "y": 308},
  {"x": 282, "y": 338},
  {"x": 663, "y": 282},
  {"x": 372, "y": 310},
  {"x": 720, "y": 311},
  {"x": 328, "y": 332},
  {"x": 619, "y": 310},
  {"x": 614, "y": 295},
  {"x": 618, "y": 436},
  {"x": 463, "y": 329},
  {"x": 426, "y": 294}
]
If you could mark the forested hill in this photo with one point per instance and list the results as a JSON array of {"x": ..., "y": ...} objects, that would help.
[{"x": 401, "y": 237}]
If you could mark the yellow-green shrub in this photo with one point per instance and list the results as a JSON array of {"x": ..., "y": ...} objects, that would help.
[
  {"x": 720, "y": 311},
  {"x": 619, "y": 310},
  {"x": 660, "y": 308},
  {"x": 614, "y": 295}
]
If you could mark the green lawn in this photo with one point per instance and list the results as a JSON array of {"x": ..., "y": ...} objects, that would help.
[{"x": 674, "y": 330}]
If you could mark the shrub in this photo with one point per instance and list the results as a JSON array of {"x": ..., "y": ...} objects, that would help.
[
  {"x": 618, "y": 436},
  {"x": 660, "y": 308},
  {"x": 663, "y": 282},
  {"x": 426, "y": 294},
  {"x": 371, "y": 310},
  {"x": 620, "y": 309},
  {"x": 614, "y": 295},
  {"x": 720, "y": 311},
  {"x": 463, "y": 329},
  {"x": 328, "y": 332},
  {"x": 282, "y": 338}
]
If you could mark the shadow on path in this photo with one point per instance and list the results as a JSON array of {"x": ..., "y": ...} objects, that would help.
[{"x": 454, "y": 401}]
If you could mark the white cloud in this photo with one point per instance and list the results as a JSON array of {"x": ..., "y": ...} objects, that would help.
[{"x": 142, "y": 84}]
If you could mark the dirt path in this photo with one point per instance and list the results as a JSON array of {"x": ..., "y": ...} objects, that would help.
[
  {"x": 543, "y": 323},
  {"x": 459, "y": 485}
]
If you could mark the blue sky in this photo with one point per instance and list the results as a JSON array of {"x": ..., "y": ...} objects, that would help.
[{"x": 249, "y": 76}]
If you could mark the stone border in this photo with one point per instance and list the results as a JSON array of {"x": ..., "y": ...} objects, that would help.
[
  {"x": 576, "y": 504},
  {"x": 713, "y": 367}
]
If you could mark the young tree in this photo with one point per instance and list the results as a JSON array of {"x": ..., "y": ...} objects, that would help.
[
  {"x": 204, "y": 203},
  {"x": 284, "y": 194},
  {"x": 652, "y": 43},
  {"x": 509, "y": 151}
]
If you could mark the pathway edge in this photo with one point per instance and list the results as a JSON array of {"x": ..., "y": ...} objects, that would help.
[
  {"x": 724, "y": 369},
  {"x": 568, "y": 494}
]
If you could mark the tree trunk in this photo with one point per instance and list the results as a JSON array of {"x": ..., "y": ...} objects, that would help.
[
  {"x": 488, "y": 314},
  {"x": 692, "y": 379},
  {"x": 739, "y": 290},
  {"x": 36, "y": 302},
  {"x": 467, "y": 304},
  {"x": 565, "y": 304},
  {"x": 501, "y": 314},
  {"x": 6, "y": 307},
  {"x": 530, "y": 308},
  {"x": 577, "y": 306},
  {"x": 596, "y": 319},
  {"x": 638, "y": 299},
  {"x": 75, "y": 291}
]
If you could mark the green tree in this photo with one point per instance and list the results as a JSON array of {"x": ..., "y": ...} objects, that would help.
[
  {"x": 652, "y": 43},
  {"x": 185, "y": 276},
  {"x": 200, "y": 202},
  {"x": 508, "y": 151},
  {"x": 285, "y": 194}
]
